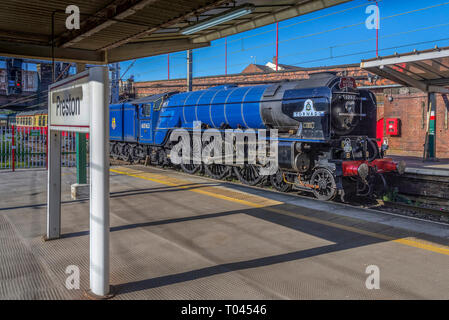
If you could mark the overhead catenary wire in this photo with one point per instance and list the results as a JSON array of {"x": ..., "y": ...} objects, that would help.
[
  {"x": 370, "y": 51},
  {"x": 264, "y": 32},
  {"x": 344, "y": 27},
  {"x": 324, "y": 31},
  {"x": 293, "y": 24},
  {"x": 316, "y": 33},
  {"x": 366, "y": 40}
]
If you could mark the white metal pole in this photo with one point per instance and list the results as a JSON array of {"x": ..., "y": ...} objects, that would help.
[{"x": 99, "y": 181}]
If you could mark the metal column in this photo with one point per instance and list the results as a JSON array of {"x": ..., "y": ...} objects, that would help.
[
  {"x": 81, "y": 158},
  {"x": 80, "y": 140},
  {"x": 277, "y": 46},
  {"x": 168, "y": 66},
  {"x": 226, "y": 56},
  {"x": 54, "y": 186},
  {"x": 189, "y": 70},
  {"x": 99, "y": 182}
]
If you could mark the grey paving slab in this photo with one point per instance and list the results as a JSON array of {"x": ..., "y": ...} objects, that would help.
[{"x": 172, "y": 242}]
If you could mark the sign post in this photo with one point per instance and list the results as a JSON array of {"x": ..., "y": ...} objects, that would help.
[
  {"x": 81, "y": 152},
  {"x": 80, "y": 104},
  {"x": 81, "y": 177}
]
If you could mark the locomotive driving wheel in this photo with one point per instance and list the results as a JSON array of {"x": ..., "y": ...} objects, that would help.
[
  {"x": 326, "y": 188},
  {"x": 248, "y": 174},
  {"x": 217, "y": 171},
  {"x": 190, "y": 168},
  {"x": 277, "y": 181},
  {"x": 126, "y": 153},
  {"x": 114, "y": 150},
  {"x": 188, "y": 165},
  {"x": 136, "y": 153},
  {"x": 161, "y": 158}
]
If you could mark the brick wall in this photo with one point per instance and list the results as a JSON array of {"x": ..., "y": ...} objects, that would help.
[{"x": 411, "y": 109}]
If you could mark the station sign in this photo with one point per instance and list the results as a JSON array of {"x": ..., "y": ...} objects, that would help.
[{"x": 69, "y": 105}]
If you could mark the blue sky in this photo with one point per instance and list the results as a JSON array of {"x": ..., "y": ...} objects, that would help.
[{"x": 336, "y": 35}]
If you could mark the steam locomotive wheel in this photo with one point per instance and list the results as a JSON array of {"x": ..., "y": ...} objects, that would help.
[
  {"x": 248, "y": 174},
  {"x": 161, "y": 159},
  {"x": 135, "y": 153},
  {"x": 114, "y": 150},
  {"x": 325, "y": 181},
  {"x": 217, "y": 171},
  {"x": 277, "y": 181},
  {"x": 190, "y": 168},
  {"x": 127, "y": 153}
]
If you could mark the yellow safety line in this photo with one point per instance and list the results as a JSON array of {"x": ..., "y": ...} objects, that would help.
[
  {"x": 183, "y": 184},
  {"x": 265, "y": 203}
]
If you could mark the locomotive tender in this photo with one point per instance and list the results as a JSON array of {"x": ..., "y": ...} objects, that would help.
[{"x": 326, "y": 132}]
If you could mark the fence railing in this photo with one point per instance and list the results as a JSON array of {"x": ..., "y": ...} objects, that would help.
[{"x": 26, "y": 147}]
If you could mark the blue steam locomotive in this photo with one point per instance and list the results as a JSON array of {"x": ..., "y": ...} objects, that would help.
[{"x": 326, "y": 132}]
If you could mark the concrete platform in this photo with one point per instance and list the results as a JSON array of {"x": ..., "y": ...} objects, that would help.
[
  {"x": 416, "y": 165},
  {"x": 175, "y": 236}
]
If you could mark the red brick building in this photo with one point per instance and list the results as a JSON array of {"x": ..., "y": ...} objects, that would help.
[
  {"x": 410, "y": 106},
  {"x": 254, "y": 75},
  {"x": 394, "y": 101}
]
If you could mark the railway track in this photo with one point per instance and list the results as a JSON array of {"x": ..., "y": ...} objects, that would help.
[
  {"x": 420, "y": 206},
  {"x": 433, "y": 213}
]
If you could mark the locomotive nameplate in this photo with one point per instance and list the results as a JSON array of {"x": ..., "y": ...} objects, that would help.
[
  {"x": 69, "y": 107},
  {"x": 308, "y": 110}
]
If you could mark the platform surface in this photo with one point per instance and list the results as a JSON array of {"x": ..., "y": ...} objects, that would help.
[
  {"x": 417, "y": 165},
  {"x": 175, "y": 236}
]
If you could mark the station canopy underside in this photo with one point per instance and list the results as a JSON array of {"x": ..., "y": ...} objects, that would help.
[
  {"x": 426, "y": 70},
  {"x": 118, "y": 30}
]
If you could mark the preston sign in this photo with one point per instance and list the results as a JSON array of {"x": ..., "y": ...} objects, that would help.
[{"x": 69, "y": 104}]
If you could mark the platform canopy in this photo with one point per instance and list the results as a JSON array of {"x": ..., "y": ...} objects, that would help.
[
  {"x": 118, "y": 30},
  {"x": 426, "y": 70}
]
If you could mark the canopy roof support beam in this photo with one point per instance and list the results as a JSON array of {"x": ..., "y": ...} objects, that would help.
[
  {"x": 296, "y": 8},
  {"x": 425, "y": 70},
  {"x": 126, "y": 52},
  {"x": 405, "y": 79},
  {"x": 113, "y": 13},
  {"x": 34, "y": 51},
  {"x": 145, "y": 49},
  {"x": 165, "y": 25}
]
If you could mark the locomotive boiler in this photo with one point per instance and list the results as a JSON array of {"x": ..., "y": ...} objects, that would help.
[{"x": 326, "y": 132}]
